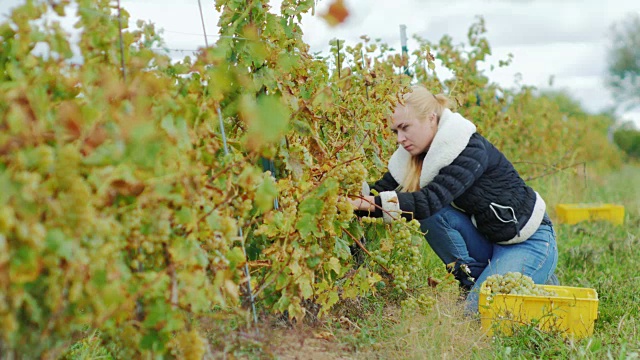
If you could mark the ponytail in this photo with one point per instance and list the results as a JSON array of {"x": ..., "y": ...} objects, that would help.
[{"x": 412, "y": 179}]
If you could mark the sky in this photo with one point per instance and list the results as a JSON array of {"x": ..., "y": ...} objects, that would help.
[{"x": 566, "y": 40}]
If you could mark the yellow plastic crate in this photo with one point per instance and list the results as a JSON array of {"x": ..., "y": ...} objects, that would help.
[
  {"x": 572, "y": 312},
  {"x": 574, "y": 213}
]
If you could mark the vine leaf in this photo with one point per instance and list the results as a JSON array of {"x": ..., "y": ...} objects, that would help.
[
  {"x": 336, "y": 14},
  {"x": 309, "y": 210},
  {"x": 265, "y": 193},
  {"x": 267, "y": 120}
]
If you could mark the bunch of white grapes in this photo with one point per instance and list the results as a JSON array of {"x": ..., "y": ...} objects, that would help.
[
  {"x": 515, "y": 283},
  {"x": 351, "y": 177},
  {"x": 402, "y": 257},
  {"x": 423, "y": 304}
]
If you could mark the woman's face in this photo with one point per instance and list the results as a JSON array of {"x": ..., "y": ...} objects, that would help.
[{"x": 414, "y": 135}]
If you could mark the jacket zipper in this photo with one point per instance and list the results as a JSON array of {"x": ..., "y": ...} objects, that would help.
[{"x": 513, "y": 213}]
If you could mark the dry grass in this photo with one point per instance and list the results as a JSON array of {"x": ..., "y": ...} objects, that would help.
[{"x": 441, "y": 333}]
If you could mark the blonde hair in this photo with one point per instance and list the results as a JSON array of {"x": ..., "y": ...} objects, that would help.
[{"x": 421, "y": 103}]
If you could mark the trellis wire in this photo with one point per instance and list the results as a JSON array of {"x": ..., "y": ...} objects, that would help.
[
  {"x": 240, "y": 233},
  {"x": 224, "y": 137},
  {"x": 124, "y": 71},
  {"x": 226, "y": 152},
  {"x": 139, "y": 308},
  {"x": 267, "y": 164},
  {"x": 204, "y": 29},
  {"x": 405, "y": 48}
]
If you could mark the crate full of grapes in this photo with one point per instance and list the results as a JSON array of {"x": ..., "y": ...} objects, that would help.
[{"x": 512, "y": 300}]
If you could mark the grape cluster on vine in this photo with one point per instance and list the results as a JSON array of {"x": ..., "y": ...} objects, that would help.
[
  {"x": 350, "y": 177},
  {"x": 398, "y": 253},
  {"x": 422, "y": 303}
]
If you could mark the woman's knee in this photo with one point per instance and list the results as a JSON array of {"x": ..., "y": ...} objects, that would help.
[
  {"x": 446, "y": 218},
  {"x": 536, "y": 258}
]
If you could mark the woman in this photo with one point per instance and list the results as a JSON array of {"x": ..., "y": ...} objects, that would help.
[{"x": 480, "y": 216}]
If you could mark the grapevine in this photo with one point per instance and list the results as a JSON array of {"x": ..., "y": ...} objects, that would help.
[{"x": 120, "y": 209}]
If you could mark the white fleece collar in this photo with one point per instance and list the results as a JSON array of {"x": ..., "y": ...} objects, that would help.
[{"x": 454, "y": 132}]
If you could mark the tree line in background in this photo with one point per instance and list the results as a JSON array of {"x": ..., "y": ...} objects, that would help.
[{"x": 624, "y": 78}]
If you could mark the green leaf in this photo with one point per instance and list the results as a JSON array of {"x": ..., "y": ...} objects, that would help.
[
  {"x": 265, "y": 194},
  {"x": 267, "y": 120},
  {"x": 188, "y": 252},
  {"x": 306, "y": 288},
  {"x": 341, "y": 248},
  {"x": 59, "y": 244},
  {"x": 328, "y": 186},
  {"x": 157, "y": 312},
  {"x": 184, "y": 215},
  {"x": 105, "y": 154},
  {"x": 281, "y": 281},
  {"x": 356, "y": 229},
  {"x": 313, "y": 261},
  {"x": 145, "y": 145},
  {"x": 150, "y": 340},
  {"x": 283, "y": 303},
  {"x": 306, "y": 225},
  {"x": 177, "y": 130},
  {"x": 99, "y": 278},
  {"x": 309, "y": 209},
  {"x": 332, "y": 300},
  {"x": 350, "y": 291},
  {"x": 302, "y": 128},
  {"x": 168, "y": 125},
  {"x": 33, "y": 308},
  {"x": 23, "y": 265},
  {"x": 235, "y": 256},
  {"x": 7, "y": 186},
  {"x": 333, "y": 264},
  {"x": 311, "y": 206}
]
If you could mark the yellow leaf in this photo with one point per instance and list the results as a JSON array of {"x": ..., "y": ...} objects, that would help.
[
  {"x": 306, "y": 288},
  {"x": 336, "y": 14},
  {"x": 374, "y": 278},
  {"x": 333, "y": 264},
  {"x": 296, "y": 311},
  {"x": 386, "y": 245},
  {"x": 232, "y": 289},
  {"x": 350, "y": 292},
  {"x": 295, "y": 268}
]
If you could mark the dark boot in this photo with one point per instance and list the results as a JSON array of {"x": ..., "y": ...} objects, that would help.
[
  {"x": 357, "y": 252},
  {"x": 466, "y": 274}
]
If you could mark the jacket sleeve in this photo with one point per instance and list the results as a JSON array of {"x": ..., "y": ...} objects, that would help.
[
  {"x": 452, "y": 181},
  {"x": 387, "y": 183}
]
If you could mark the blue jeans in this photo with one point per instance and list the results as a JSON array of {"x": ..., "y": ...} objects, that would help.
[{"x": 454, "y": 239}]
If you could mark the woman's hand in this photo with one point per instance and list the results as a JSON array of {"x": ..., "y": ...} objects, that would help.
[{"x": 366, "y": 203}]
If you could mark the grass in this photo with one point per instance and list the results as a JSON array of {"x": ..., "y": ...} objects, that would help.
[
  {"x": 89, "y": 347},
  {"x": 597, "y": 255}
]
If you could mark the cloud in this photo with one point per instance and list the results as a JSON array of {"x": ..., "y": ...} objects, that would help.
[
  {"x": 566, "y": 39},
  {"x": 7, "y": 5}
]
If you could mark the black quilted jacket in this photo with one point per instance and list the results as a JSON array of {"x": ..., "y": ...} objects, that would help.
[{"x": 481, "y": 182}]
